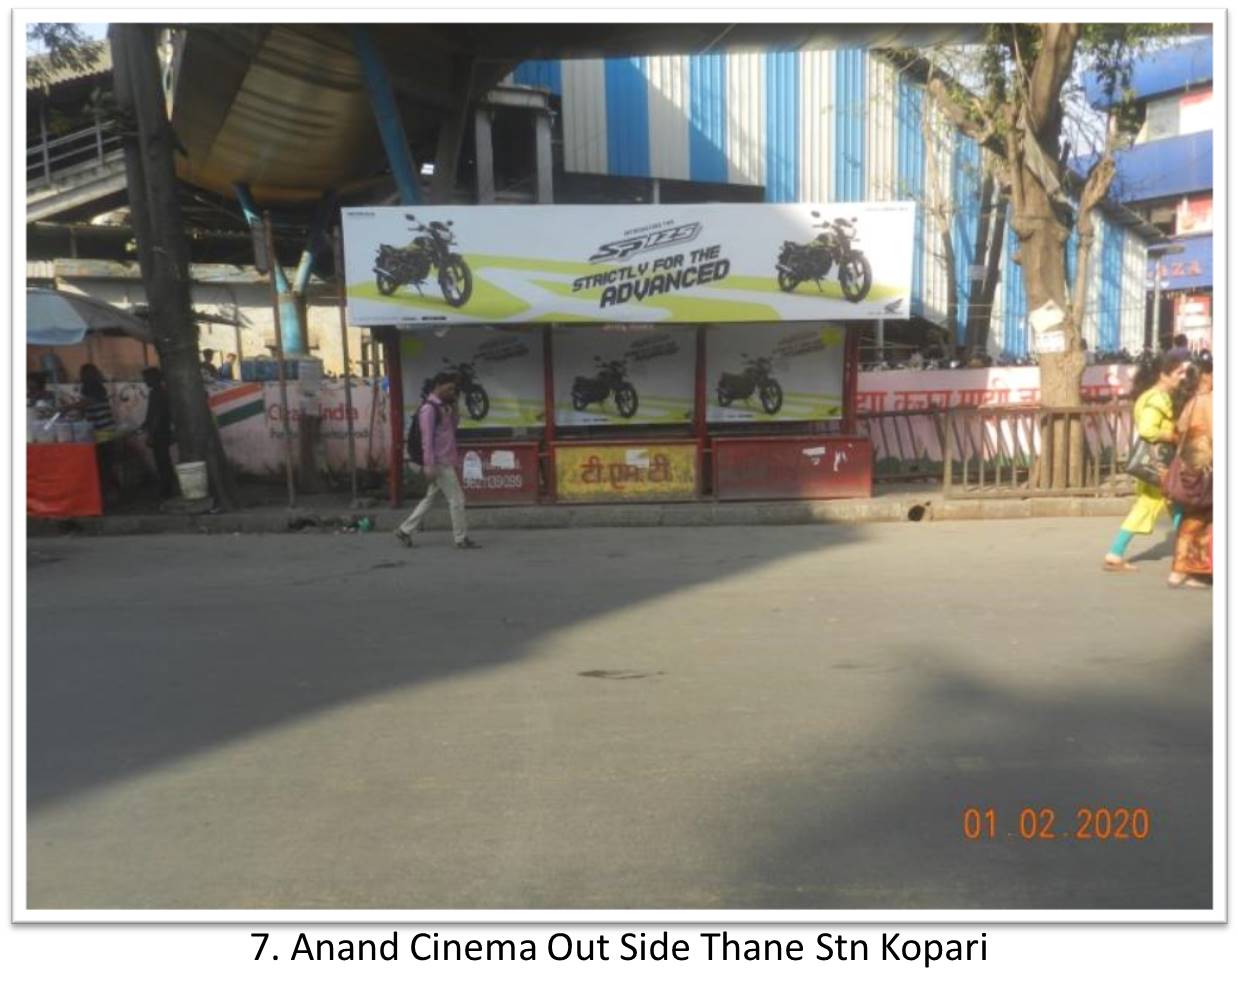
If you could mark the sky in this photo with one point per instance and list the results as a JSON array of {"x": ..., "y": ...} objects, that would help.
[{"x": 96, "y": 31}]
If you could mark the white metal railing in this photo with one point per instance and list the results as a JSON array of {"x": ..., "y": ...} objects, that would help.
[{"x": 45, "y": 160}]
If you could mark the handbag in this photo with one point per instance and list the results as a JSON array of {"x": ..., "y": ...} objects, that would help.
[
  {"x": 1192, "y": 488},
  {"x": 1149, "y": 462},
  {"x": 1181, "y": 484}
]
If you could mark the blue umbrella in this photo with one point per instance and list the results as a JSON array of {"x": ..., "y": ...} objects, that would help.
[{"x": 54, "y": 318}]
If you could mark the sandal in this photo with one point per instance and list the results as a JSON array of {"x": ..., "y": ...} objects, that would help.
[
  {"x": 1187, "y": 582},
  {"x": 1118, "y": 567}
]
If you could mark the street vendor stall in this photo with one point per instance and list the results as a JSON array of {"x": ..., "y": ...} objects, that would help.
[
  {"x": 63, "y": 448},
  {"x": 649, "y": 352}
]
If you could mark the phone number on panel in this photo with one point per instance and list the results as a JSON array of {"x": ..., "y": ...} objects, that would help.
[{"x": 1044, "y": 823}]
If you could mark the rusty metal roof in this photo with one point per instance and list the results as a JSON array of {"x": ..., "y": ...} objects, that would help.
[
  {"x": 283, "y": 107},
  {"x": 99, "y": 61}
]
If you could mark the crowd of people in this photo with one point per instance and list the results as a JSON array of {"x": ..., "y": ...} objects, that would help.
[{"x": 1173, "y": 419}]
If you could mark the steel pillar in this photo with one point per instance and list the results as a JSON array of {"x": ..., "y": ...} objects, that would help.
[
  {"x": 291, "y": 328},
  {"x": 387, "y": 116}
]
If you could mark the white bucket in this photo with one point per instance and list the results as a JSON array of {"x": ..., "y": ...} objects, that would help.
[{"x": 192, "y": 478}]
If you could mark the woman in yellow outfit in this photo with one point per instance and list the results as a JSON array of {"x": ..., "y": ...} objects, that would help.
[{"x": 1154, "y": 421}]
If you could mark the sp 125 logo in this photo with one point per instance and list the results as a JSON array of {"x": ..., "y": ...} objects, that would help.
[{"x": 621, "y": 249}]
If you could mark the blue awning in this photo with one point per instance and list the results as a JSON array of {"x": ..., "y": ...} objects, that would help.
[
  {"x": 1166, "y": 71},
  {"x": 1189, "y": 270},
  {"x": 1169, "y": 167}
]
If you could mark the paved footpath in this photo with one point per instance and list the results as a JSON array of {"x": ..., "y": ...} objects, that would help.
[{"x": 724, "y": 718}]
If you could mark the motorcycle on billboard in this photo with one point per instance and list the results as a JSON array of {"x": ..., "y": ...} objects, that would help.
[
  {"x": 431, "y": 248},
  {"x": 757, "y": 376},
  {"x": 611, "y": 378},
  {"x": 833, "y": 247}
]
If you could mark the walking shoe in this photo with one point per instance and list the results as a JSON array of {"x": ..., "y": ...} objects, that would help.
[
  {"x": 404, "y": 538},
  {"x": 467, "y": 544}
]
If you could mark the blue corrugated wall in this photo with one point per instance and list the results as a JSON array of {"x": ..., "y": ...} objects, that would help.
[
  {"x": 627, "y": 118},
  {"x": 910, "y": 181},
  {"x": 966, "y": 183},
  {"x": 782, "y": 117},
  {"x": 545, "y": 73},
  {"x": 1111, "y": 288},
  {"x": 627, "y": 96},
  {"x": 850, "y": 105},
  {"x": 707, "y": 118},
  {"x": 1014, "y": 297}
]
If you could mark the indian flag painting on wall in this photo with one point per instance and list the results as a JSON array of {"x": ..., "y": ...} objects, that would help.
[{"x": 235, "y": 404}]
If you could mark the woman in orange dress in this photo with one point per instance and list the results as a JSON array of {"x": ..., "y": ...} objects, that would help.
[{"x": 1192, "y": 567}]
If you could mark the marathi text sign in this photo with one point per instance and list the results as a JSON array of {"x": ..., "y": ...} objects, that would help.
[
  {"x": 646, "y": 263},
  {"x": 626, "y": 472},
  {"x": 917, "y": 390}
]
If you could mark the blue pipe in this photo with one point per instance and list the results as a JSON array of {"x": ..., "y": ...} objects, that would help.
[
  {"x": 292, "y": 333},
  {"x": 387, "y": 115}
]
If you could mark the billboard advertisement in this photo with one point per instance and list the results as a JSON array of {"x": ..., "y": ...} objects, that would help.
[
  {"x": 624, "y": 378},
  {"x": 500, "y": 373},
  {"x": 642, "y": 263},
  {"x": 775, "y": 373}
]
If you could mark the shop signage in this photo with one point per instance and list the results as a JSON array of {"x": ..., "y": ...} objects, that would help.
[
  {"x": 639, "y": 471},
  {"x": 775, "y": 372},
  {"x": 624, "y": 378},
  {"x": 499, "y": 373},
  {"x": 612, "y": 264}
]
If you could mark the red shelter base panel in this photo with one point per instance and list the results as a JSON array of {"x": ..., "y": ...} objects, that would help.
[
  {"x": 62, "y": 481},
  {"x": 792, "y": 467}
]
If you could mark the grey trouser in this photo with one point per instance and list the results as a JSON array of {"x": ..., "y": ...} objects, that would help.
[{"x": 443, "y": 480}]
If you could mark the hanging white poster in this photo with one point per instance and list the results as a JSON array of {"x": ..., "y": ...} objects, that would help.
[
  {"x": 499, "y": 373},
  {"x": 624, "y": 378},
  {"x": 647, "y": 263},
  {"x": 775, "y": 373}
]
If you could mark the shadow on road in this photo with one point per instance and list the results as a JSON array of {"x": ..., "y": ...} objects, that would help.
[
  {"x": 144, "y": 651},
  {"x": 894, "y": 839}
]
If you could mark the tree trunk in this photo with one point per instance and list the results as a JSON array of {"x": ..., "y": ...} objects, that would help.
[
  {"x": 162, "y": 251},
  {"x": 1042, "y": 255},
  {"x": 976, "y": 334}
]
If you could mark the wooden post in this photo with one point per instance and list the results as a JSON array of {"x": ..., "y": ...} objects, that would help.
[
  {"x": 279, "y": 358},
  {"x": 341, "y": 285}
]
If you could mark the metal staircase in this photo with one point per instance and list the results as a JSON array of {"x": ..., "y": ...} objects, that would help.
[{"x": 69, "y": 172}]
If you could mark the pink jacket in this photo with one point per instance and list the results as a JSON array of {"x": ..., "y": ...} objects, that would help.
[{"x": 438, "y": 433}]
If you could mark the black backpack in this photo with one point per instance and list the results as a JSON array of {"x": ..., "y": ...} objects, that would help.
[{"x": 414, "y": 448}]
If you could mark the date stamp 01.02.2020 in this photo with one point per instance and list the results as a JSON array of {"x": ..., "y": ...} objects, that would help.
[{"x": 1118, "y": 823}]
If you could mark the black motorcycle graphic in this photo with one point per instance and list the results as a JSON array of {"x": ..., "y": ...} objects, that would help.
[
  {"x": 611, "y": 378},
  {"x": 757, "y": 377},
  {"x": 835, "y": 246},
  {"x": 476, "y": 400},
  {"x": 396, "y": 266}
]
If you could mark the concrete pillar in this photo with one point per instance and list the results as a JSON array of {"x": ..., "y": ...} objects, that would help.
[
  {"x": 485, "y": 156},
  {"x": 545, "y": 160}
]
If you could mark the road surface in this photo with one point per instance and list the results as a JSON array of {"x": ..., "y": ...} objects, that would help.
[{"x": 721, "y": 718}]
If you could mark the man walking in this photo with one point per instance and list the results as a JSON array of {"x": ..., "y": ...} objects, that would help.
[{"x": 437, "y": 419}]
